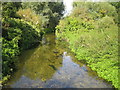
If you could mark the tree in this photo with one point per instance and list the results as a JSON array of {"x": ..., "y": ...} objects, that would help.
[
  {"x": 51, "y": 11},
  {"x": 9, "y": 9}
]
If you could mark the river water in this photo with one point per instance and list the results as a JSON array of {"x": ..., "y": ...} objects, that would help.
[{"x": 52, "y": 65}]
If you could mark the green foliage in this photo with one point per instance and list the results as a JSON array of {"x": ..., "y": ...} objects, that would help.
[
  {"x": 9, "y": 9},
  {"x": 31, "y": 17},
  {"x": 117, "y": 6},
  {"x": 94, "y": 41},
  {"x": 9, "y": 50},
  {"x": 23, "y": 25},
  {"x": 95, "y": 11},
  {"x": 17, "y": 35},
  {"x": 51, "y": 12}
]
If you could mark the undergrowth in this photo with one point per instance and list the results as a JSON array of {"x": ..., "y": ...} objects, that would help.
[{"x": 95, "y": 42}]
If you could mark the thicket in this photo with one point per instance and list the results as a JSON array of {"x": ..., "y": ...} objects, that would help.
[
  {"x": 18, "y": 36},
  {"x": 51, "y": 13},
  {"x": 23, "y": 25},
  {"x": 92, "y": 33}
]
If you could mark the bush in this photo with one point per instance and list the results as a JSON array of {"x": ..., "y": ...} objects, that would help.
[
  {"x": 31, "y": 17},
  {"x": 9, "y": 9},
  {"x": 93, "y": 41},
  {"x": 18, "y": 35}
]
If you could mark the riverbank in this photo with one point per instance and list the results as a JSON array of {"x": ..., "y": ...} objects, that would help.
[
  {"x": 88, "y": 47},
  {"x": 94, "y": 41},
  {"x": 23, "y": 24},
  {"x": 18, "y": 38},
  {"x": 53, "y": 65}
]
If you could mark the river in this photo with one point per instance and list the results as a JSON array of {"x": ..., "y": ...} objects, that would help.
[{"x": 52, "y": 65}]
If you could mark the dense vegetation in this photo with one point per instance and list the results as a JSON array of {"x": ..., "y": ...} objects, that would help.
[
  {"x": 51, "y": 12},
  {"x": 92, "y": 33},
  {"x": 23, "y": 24}
]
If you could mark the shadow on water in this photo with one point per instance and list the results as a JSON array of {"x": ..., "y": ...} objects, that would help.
[{"x": 51, "y": 65}]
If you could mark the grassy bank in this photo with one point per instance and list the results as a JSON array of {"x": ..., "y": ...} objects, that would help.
[{"x": 94, "y": 41}]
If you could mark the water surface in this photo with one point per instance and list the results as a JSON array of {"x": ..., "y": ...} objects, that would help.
[{"x": 52, "y": 65}]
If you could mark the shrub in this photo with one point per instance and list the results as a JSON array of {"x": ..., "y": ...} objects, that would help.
[
  {"x": 17, "y": 35},
  {"x": 30, "y": 16},
  {"x": 93, "y": 41}
]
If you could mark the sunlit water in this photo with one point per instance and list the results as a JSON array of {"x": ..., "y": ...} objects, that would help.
[{"x": 51, "y": 65}]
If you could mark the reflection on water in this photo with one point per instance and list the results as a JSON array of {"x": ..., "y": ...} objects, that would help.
[{"x": 49, "y": 66}]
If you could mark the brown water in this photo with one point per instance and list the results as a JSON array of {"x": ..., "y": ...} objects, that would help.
[{"x": 52, "y": 65}]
